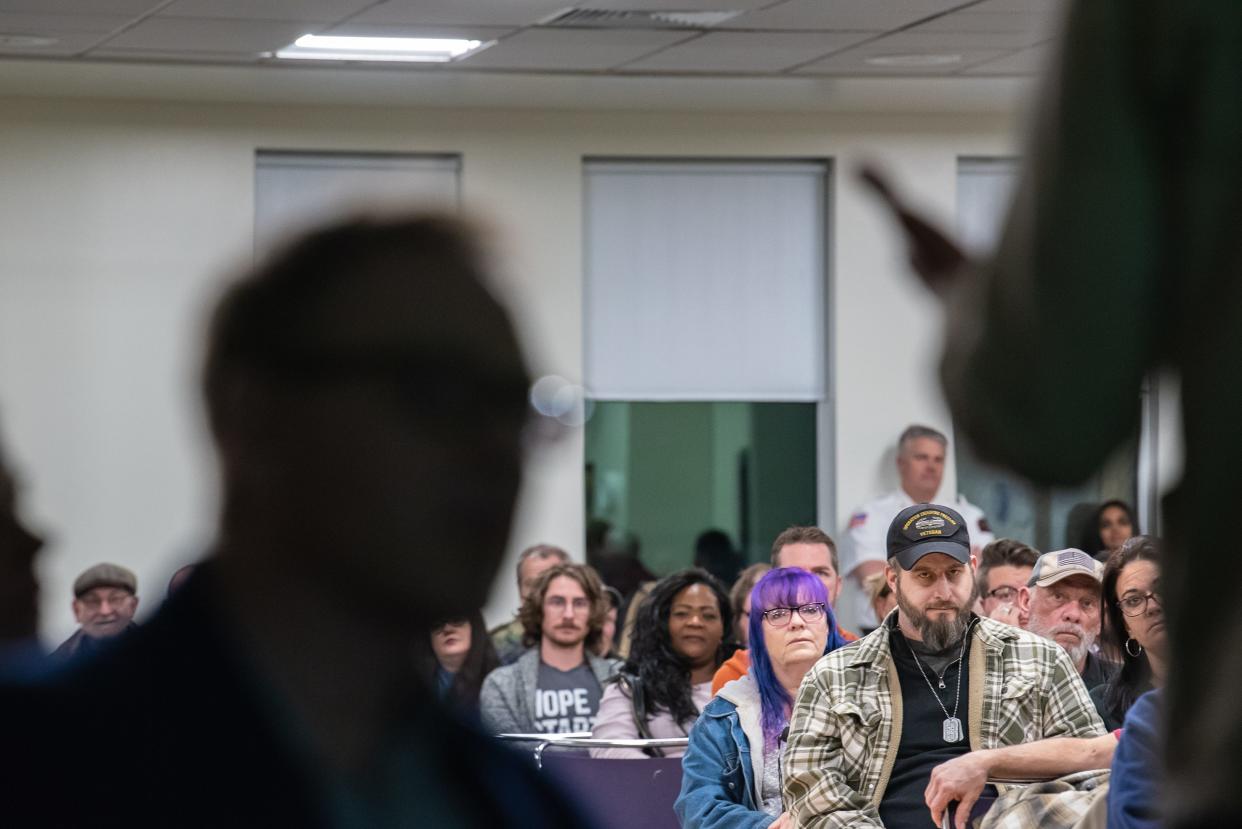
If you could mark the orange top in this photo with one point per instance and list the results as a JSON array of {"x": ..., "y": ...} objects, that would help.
[{"x": 736, "y": 666}]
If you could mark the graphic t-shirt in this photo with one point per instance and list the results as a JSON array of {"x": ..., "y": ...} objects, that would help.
[{"x": 566, "y": 701}]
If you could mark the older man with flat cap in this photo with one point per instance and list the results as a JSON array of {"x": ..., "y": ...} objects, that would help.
[
  {"x": 933, "y": 682},
  {"x": 105, "y": 598}
]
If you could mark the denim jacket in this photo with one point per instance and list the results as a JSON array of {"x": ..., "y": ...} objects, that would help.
[{"x": 720, "y": 776}]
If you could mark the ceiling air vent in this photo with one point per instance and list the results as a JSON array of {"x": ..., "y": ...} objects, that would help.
[{"x": 621, "y": 19}]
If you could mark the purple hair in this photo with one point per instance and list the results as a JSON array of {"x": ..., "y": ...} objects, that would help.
[{"x": 782, "y": 587}]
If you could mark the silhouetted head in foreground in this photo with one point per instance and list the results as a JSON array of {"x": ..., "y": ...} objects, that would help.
[{"x": 367, "y": 397}]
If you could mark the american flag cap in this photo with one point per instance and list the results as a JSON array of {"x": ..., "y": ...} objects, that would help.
[{"x": 1050, "y": 568}]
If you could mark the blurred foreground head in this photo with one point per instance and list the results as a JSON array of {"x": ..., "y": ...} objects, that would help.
[
  {"x": 18, "y": 546},
  {"x": 367, "y": 398}
]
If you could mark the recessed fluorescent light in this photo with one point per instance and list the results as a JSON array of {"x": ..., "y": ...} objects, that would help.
[
  {"x": 914, "y": 60},
  {"x": 416, "y": 49}
]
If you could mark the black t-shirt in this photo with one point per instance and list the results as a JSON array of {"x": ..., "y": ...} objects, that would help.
[{"x": 923, "y": 746}]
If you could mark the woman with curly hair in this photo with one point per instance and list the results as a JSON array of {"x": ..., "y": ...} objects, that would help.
[
  {"x": 1134, "y": 626},
  {"x": 677, "y": 646}
]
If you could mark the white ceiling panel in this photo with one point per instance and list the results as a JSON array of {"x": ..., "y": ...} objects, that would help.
[
  {"x": 1036, "y": 24},
  {"x": 738, "y": 52},
  {"x": 853, "y": 62},
  {"x": 671, "y": 5},
  {"x": 15, "y": 23},
  {"x": 406, "y": 30},
  {"x": 132, "y": 8},
  {"x": 858, "y": 15},
  {"x": 67, "y": 44},
  {"x": 474, "y": 12},
  {"x": 923, "y": 42},
  {"x": 204, "y": 35},
  {"x": 157, "y": 55},
  {"x": 571, "y": 49},
  {"x": 321, "y": 11},
  {"x": 1032, "y": 61},
  {"x": 1044, "y": 7}
]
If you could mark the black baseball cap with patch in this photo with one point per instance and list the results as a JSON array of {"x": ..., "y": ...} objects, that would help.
[{"x": 928, "y": 528}]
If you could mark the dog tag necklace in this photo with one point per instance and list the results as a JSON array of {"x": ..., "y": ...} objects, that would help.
[{"x": 952, "y": 729}]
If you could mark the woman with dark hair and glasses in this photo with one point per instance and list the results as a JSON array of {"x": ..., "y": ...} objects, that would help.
[
  {"x": 678, "y": 644},
  {"x": 456, "y": 658},
  {"x": 1134, "y": 625},
  {"x": 731, "y": 770}
]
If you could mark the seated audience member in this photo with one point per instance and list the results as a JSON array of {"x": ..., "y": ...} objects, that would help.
[
  {"x": 677, "y": 646},
  {"x": 104, "y": 602},
  {"x": 458, "y": 657},
  {"x": 731, "y": 770},
  {"x": 19, "y": 591},
  {"x": 1065, "y": 607},
  {"x": 179, "y": 578},
  {"x": 555, "y": 686},
  {"x": 879, "y": 595},
  {"x": 607, "y": 645},
  {"x": 873, "y": 718},
  {"x": 1114, "y": 524},
  {"x": 1004, "y": 569},
  {"x": 920, "y": 460},
  {"x": 810, "y": 549},
  {"x": 713, "y": 552},
  {"x": 532, "y": 563},
  {"x": 739, "y": 601},
  {"x": 1135, "y": 786},
  {"x": 1136, "y": 626},
  {"x": 367, "y": 399}
]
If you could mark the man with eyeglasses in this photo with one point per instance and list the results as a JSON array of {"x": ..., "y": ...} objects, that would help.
[
  {"x": 935, "y": 682},
  {"x": 1004, "y": 568},
  {"x": 104, "y": 602},
  {"x": 556, "y": 685}
]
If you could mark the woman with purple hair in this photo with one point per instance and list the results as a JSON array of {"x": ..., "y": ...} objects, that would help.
[{"x": 731, "y": 770}]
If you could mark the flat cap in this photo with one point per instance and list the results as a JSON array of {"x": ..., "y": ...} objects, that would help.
[{"x": 105, "y": 575}]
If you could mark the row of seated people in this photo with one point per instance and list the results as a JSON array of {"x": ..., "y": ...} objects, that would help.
[{"x": 684, "y": 677}]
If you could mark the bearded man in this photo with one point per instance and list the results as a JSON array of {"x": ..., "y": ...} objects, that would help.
[
  {"x": 1064, "y": 606},
  {"x": 935, "y": 682}
]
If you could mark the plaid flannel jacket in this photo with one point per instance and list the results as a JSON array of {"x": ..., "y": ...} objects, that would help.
[{"x": 846, "y": 723}]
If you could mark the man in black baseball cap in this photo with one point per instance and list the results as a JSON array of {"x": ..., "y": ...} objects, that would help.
[{"x": 934, "y": 683}]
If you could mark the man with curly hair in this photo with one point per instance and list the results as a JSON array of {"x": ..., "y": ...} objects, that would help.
[{"x": 555, "y": 687}]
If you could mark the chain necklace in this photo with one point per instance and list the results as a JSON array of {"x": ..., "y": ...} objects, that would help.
[{"x": 952, "y": 729}]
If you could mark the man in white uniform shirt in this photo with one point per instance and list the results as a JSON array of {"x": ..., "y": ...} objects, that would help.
[{"x": 920, "y": 466}]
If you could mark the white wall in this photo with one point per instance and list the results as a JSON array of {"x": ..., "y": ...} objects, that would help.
[{"x": 118, "y": 221}]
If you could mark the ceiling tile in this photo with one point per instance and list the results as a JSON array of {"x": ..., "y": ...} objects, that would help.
[
  {"x": 1036, "y": 25},
  {"x": 352, "y": 29},
  {"x": 570, "y": 49},
  {"x": 316, "y": 11},
  {"x": 922, "y": 42},
  {"x": 157, "y": 55},
  {"x": 854, "y": 62},
  {"x": 747, "y": 51},
  {"x": 475, "y": 12},
  {"x": 857, "y": 15},
  {"x": 1045, "y": 7},
  {"x": 132, "y": 8},
  {"x": 666, "y": 5},
  {"x": 67, "y": 44},
  {"x": 202, "y": 35},
  {"x": 50, "y": 24},
  {"x": 1032, "y": 61}
]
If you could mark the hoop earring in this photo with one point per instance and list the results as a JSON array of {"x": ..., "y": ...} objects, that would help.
[{"x": 1135, "y": 654}]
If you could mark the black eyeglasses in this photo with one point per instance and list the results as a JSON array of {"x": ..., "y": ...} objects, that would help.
[
  {"x": 779, "y": 617},
  {"x": 1135, "y": 604},
  {"x": 1004, "y": 593}
]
